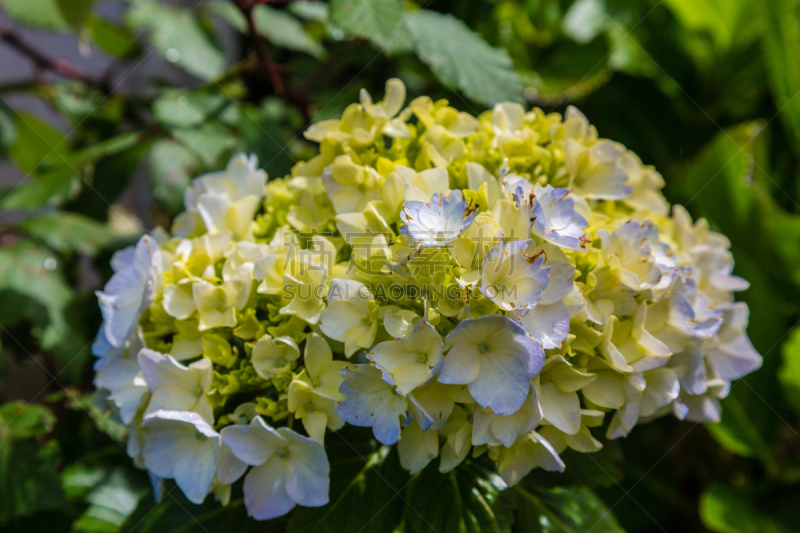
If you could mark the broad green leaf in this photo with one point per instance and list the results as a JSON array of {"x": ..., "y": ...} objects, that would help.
[
  {"x": 172, "y": 168},
  {"x": 114, "y": 145},
  {"x": 283, "y": 30},
  {"x": 28, "y": 478},
  {"x": 724, "y": 510},
  {"x": 112, "y": 39},
  {"x": 376, "y": 20},
  {"x": 69, "y": 232},
  {"x": 75, "y": 12},
  {"x": 364, "y": 489},
  {"x": 462, "y": 59},
  {"x": 111, "y": 501},
  {"x": 186, "y": 108},
  {"x": 38, "y": 146},
  {"x": 562, "y": 510},
  {"x": 789, "y": 373},
  {"x": 21, "y": 420},
  {"x": 458, "y": 501},
  {"x": 50, "y": 188},
  {"x": 179, "y": 30},
  {"x": 208, "y": 141},
  {"x": 40, "y": 14},
  {"x": 727, "y": 22},
  {"x": 782, "y": 48},
  {"x": 277, "y": 26},
  {"x": 30, "y": 290},
  {"x": 310, "y": 10}
]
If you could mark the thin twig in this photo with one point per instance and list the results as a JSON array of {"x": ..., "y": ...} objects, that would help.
[{"x": 61, "y": 67}]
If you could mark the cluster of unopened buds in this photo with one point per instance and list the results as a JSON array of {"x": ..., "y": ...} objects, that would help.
[{"x": 509, "y": 285}]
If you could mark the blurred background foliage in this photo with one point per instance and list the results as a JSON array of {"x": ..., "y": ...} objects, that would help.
[{"x": 109, "y": 108}]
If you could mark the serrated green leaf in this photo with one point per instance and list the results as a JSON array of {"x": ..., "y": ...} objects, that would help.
[
  {"x": 171, "y": 167},
  {"x": 112, "y": 39},
  {"x": 376, "y": 20},
  {"x": 179, "y": 29},
  {"x": 462, "y": 59},
  {"x": 69, "y": 232},
  {"x": 782, "y": 47},
  {"x": 41, "y": 14}
]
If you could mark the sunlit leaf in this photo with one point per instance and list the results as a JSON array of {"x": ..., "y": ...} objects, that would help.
[
  {"x": 112, "y": 39},
  {"x": 782, "y": 47},
  {"x": 178, "y": 30},
  {"x": 69, "y": 232},
  {"x": 376, "y": 20},
  {"x": 462, "y": 59},
  {"x": 725, "y": 511},
  {"x": 41, "y": 14}
]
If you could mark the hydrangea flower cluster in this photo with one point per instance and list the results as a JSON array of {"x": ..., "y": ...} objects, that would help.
[{"x": 500, "y": 285}]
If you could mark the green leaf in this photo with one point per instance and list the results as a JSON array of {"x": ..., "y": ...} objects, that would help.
[
  {"x": 43, "y": 296},
  {"x": 724, "y": 510},
  {"x": 187, "y": 109},
  {"x": 112, "y": 146},
  {"x": 172, "y": 168},
  {"x": 111, "y": 501},
  {"x": 563, "y": 510},
  {"x": 721, "y": 19},
  {"x": 458, "y": 501},
  {"x": 41, "y": 14},
  {"x": 782, "y": 47},
  {"x": 20, "y": 420},
  {"x": 49, "y": 188},
  {"x": 364, "y": 489},
  {"x": 310, "y": 10},
  {"x": 28, "y": 479},
  {"x": 376, "y": 20},
  {"x": 463, "y": 60},
  {"x": 179, "y": 29},
  {"x": 112, "y": 39},
  {"x": 39, "y": 146},
  {"x": 75, "y": 12},
  {"x": 69, "y": 232},
  {"x": 594, "y": 470},
  {"x": 8, "y": 131},
  {"x": 103, "y": 419},
  {"x": 208, "y": 142},
  {"x": 789, "y": 373},
  {"x": 283, "y": 30},
  {"x": 727, "y": 184}
]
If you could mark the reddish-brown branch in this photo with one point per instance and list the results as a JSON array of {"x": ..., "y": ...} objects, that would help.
[{"x": 61, "y": 67}]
